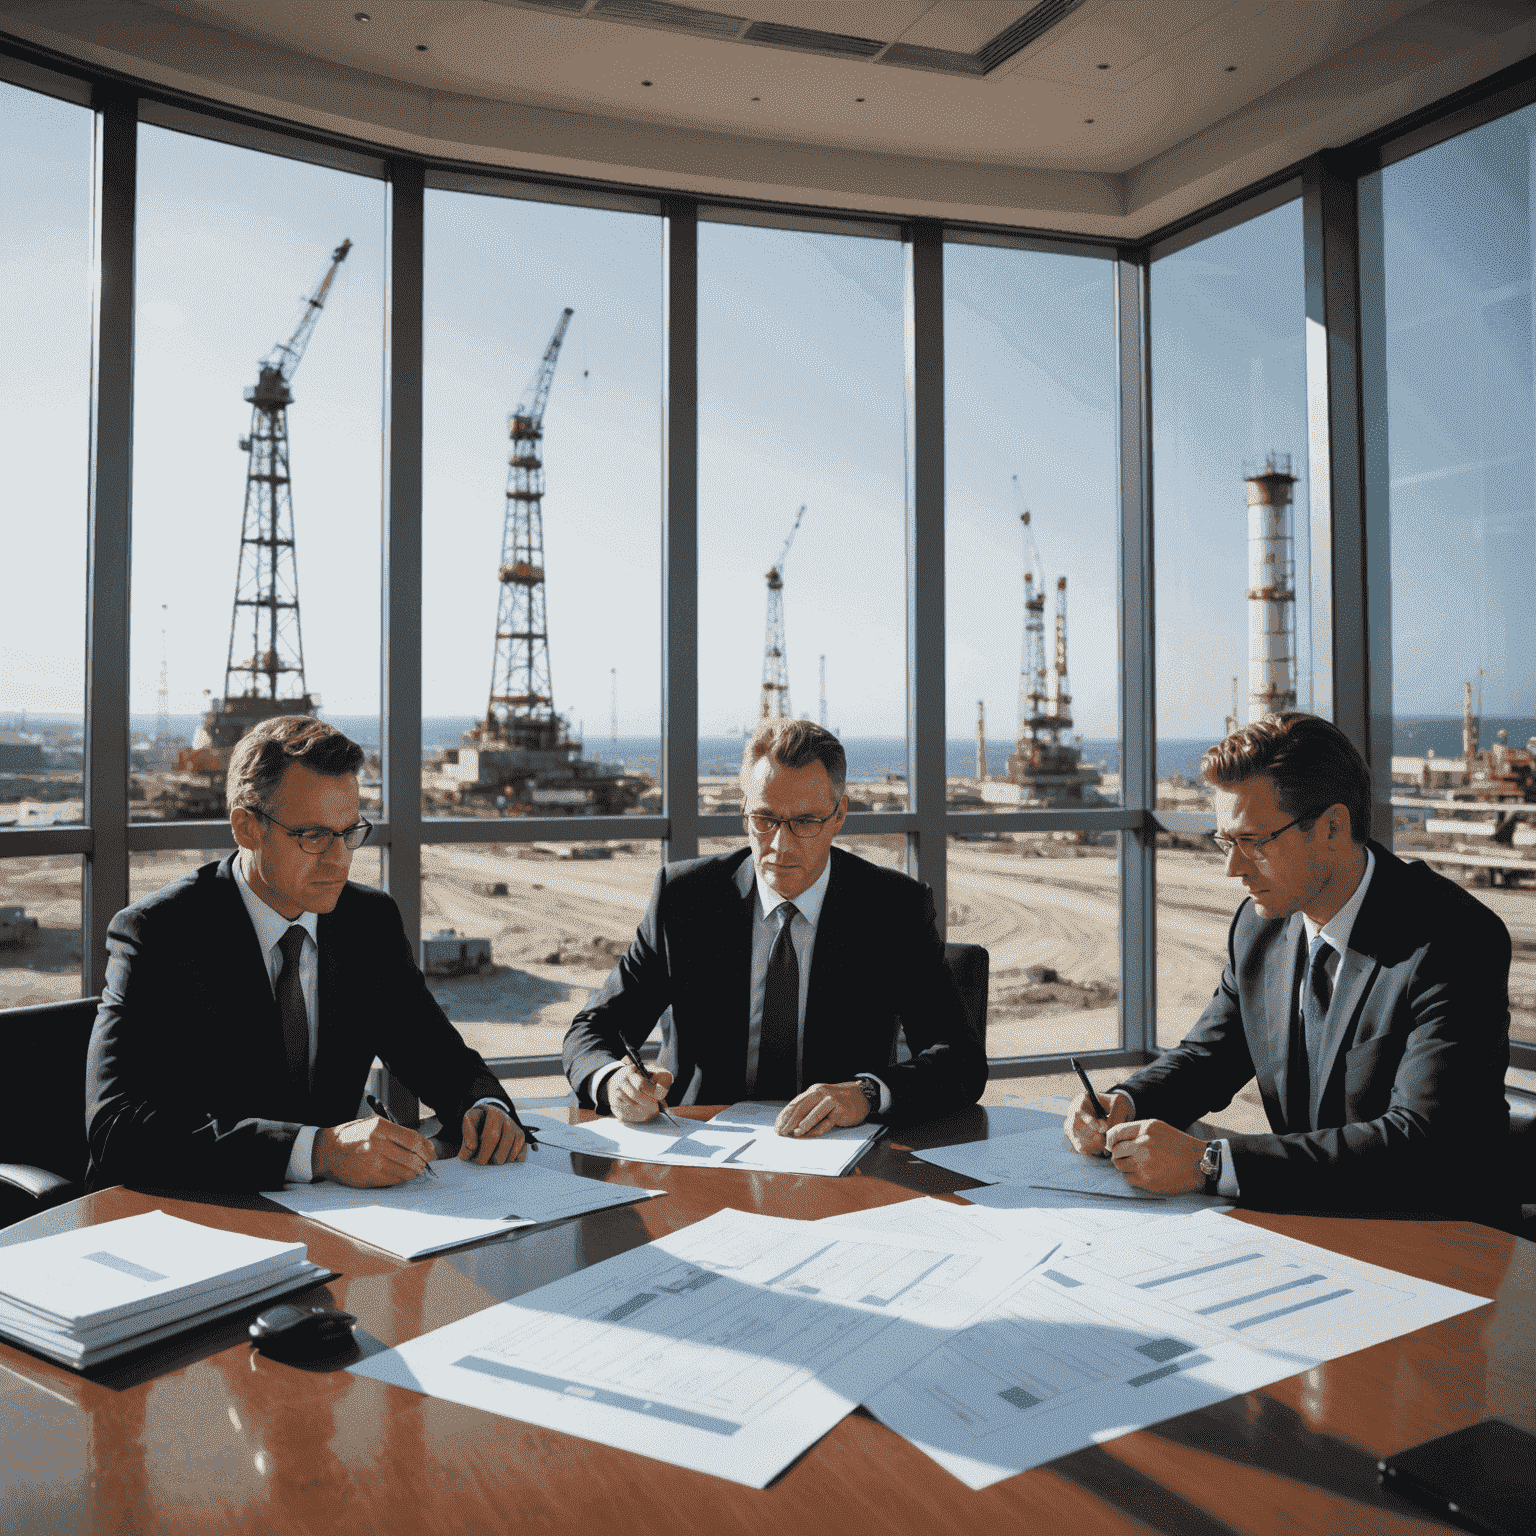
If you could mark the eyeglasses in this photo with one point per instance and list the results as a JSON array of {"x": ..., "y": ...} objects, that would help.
[
  {"x": 799, "y": 826},
  {"x": 1251, "y": 847},
  {"x": 319, "y": 839}
]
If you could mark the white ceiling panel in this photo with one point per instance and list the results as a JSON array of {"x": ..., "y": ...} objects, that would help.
[{"x": 965, "y": 25}]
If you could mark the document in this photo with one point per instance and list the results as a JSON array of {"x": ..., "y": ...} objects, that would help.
[
  {"x": 729, "y": 1347},
  {"x": 1178, "y": 1315},
  {"x": 926, "y": 1217},
  {"x": 746, "y": 1142},
  {"x": 461, "y": 1203}
]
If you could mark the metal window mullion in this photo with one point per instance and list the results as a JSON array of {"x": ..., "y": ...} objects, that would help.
[
  {"x": 400, "y": 618},
  {"x": 680, "y": 530},
  {"x": 1138, "y": 701},
  {"x": 110, "y": 527},
  {"x": 924, "y": 336},
  {"x": 1352, "y": 681}
]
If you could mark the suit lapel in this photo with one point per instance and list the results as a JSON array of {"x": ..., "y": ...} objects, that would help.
[
  {"x": 1358, "y": 967},
  {"x": 735, "y": 961},
  {"x": 333, "y": 1008},
  {"x": 249, "y": 984},
  {"x": 830, "y": 969},
  {"x": 1282, "y": 966}
]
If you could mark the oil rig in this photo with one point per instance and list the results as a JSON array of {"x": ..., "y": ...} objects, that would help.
[
  {"x": 775, "y": 697},
  {"x": 264, "y": 666},
  {"x": 521, "y": 754},
  {"x": 1046, "y": 764}
]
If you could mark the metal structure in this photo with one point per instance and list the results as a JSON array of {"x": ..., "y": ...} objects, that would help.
[
  {"x": 1271, "y": 590},
  {"x": 775, "y": 700},
  {"x": 613, "y": 708},
  {"x": 821, "y": 718},
  {"x": 981, "y": 738},
  {"x": 521, "y": 711}
]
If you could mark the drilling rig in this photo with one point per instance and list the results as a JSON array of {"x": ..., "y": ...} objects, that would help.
[
  {"x": 264, "y": 666},
  {"x": 521, "y": 754},
  {"x": 775, "y": 698},
  {"x": 1045, "y": 764}
]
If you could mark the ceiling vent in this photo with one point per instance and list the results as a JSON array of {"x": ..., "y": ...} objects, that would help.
[
  {"x": 1027, "y": 29},
  {"x": 833, "y": 45},
  {"x": 568, "y": 6},
  {"x": 675, "y": 18}
]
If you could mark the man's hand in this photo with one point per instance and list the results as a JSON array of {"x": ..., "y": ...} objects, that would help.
[
  {"x": 821, "y": 1107},
  {"x": 490, "y": 1136},
  {"x": 369, "y": 1154},
  {"x": 633, "y": 1099},
  {"x": 1155, "y": 1157},
  {"x": 1085, "y": 1130}
]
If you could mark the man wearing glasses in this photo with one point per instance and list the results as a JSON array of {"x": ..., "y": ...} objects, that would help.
[
  {"x": 1368, "y": 996},
  {"x": 783, "y": 970},
  {"x": 246, "y": 1001}
]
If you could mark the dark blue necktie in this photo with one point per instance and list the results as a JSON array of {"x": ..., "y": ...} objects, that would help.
[
  {"x": 290, "y": 1005},
  {"x": 1306, "y": 1048},
  {"x": 778, "y": 1041}
]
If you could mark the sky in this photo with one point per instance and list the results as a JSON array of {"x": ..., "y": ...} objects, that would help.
[{"x": 800, "y": 374}]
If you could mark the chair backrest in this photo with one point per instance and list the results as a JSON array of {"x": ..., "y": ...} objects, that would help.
[
  {"x": 1522, "y": 1154},
  {"x": 971, "y": 966},
  {"x": 44, "y": 1050}
]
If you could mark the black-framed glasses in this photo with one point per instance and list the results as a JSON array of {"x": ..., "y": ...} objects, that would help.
[
  {"x": 319, "y": 839},
  {"x": 1251, "y": 847},
  {"x": 763, "y": 826}
]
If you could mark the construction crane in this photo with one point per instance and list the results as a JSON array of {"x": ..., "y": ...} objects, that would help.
[
  {"x": 267, "y": 584},
  {"x": 775, "y": 703},
  {"x": 521, "y": 709},
  {"x": 1033, "y": 684}
]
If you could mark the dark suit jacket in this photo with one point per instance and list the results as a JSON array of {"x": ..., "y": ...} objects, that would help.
[
  {"x": 878, "y": 965},
  {"x": 1411, "y": 1112},
  {"x": 187, "y": 1081}
]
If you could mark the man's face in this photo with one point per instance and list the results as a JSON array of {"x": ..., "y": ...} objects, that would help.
[
  {"x": 788, "y": 864},
  {"x": 1296, "y": 872},
  {"x": 279, "y": 871}
]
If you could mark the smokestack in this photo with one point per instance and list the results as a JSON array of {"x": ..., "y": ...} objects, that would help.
[{"x": 1271, "y": 590}]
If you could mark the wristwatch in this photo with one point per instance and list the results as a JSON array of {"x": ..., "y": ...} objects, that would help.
[
  {"x": 1210, "y": 1166},
  {"x": 871, "y": 1093}
]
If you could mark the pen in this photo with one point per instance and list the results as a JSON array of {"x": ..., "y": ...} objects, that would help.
[
  {"x": 1097, "y": 1194},
  {"x": 382, "y": 1111},
  {"x": 639, "y": 1066},
  {"x": 1099, "y": 1109}
]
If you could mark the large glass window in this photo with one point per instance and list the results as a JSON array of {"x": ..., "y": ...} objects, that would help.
[
  {"x": 801, "y": 405},
  {"x": 1453, "y": 296},
  {"x": 257, "y": 430},
  {"x": 45, "y": 269},
  {"x": 1233, "y": 577},
  {"x": 541, "y": 558},
  {"x": 40, "y": 939}
]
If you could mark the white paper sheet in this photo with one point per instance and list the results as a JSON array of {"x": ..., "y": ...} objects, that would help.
[
  {"x": 1040, "y": 1159},
  {"x": 462, "y": 1203},
  {"x": 700, "y": 1144},
  {"x": 729, "y": 1347},
  {"x": 1176, "y": 1316}
]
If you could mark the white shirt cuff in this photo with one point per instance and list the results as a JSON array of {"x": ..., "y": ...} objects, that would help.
[
  {"x": 600, "y": 1077},
  {"x": 301, "y": 1156},
  {"x": 1227, "y": 1184},
  {"x": 885, "y": 1093}
]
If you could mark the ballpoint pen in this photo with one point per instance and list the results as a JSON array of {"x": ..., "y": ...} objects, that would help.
[
  {"x": 639, "y": 1066},
  {"x": 381, "y": 1109},
  {"x": 1101, "y": 1111}
]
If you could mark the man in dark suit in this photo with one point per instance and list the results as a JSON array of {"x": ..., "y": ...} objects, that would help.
[
  {"x": 245, "y": 1002},
  {"x": 783, "y": 971},
  {"x": 1367, "y": 995}
]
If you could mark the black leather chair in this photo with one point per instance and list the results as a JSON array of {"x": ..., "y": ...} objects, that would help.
[
  {"x": 42, "y": 1128},
  {"x": 971, "y": 966},
  {"x": 1522, "y": 1156}
]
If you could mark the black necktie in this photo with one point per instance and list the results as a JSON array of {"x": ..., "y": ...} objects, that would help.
[
  {"x": 290, "y": 1004},
  {"x": 777, "y": 1043},
  {"x": 1306, "y": 1042}
]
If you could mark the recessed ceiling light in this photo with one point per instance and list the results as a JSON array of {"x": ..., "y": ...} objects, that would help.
[
  {"x": 361, "y": 16},
  {"x": 421, "y": 47},
  {"x": 645, "y": 82},
  {"x": 1231, "y": 69},
  {"x": 1101, "y": 66},
  {"x": 858, "y": 98}
]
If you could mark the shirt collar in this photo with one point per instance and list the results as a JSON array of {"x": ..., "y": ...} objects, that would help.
[
  {"x": 271, "y": 925},
  {"x": 1338, "y": 927},
  {"x": 807, "y": 903}
]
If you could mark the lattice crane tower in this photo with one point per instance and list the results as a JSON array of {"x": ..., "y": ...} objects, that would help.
[
  {"x": 775, "y": 701},
  {"x": 1033, "y": 683},
  {"x": 267, "y": 586},
  {"x": 1271, "y": 590},
  {"x": 521, "y": 710}
]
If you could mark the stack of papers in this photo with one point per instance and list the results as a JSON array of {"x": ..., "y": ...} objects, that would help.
[
  {"x": 739, "y": 1137},
  {"x": 460, "y": 1203},
  {"x": 86, "y": 1296}
]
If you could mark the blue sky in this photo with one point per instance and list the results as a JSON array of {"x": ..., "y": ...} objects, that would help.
[{"x": 801, "y": 401}]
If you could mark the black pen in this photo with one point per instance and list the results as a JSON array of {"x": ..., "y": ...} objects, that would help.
[
  {"x": 639, "y": 1066},
  {"x": 1101, "y": 1111},
  {"x": 382, "y": 1111}
]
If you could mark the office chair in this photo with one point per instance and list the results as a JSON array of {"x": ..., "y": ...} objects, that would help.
[
  {"x": 42, "y": 1132},
  {"x": 1522, "y": 1157}
]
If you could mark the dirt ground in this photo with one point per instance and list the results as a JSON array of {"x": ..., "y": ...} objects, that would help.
[{"x": 555, "y": 933}]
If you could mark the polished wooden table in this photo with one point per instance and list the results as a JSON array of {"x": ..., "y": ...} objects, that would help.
[{"x": 208, "y": 1436}]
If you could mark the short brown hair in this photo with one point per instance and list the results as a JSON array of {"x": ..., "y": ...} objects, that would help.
[
  {"x": 264, "y": 754},
  {"x": 797, "y": 744},
  {"x": 1313, "y": 763}
]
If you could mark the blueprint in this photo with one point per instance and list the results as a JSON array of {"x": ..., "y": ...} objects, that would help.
[
  {"x": 1175, "y": 1316},
  {"x": 729, "y": 1347},
  {"x": 459, "y": 1203}
]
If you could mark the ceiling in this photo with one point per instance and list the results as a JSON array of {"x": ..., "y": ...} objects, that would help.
[{"x": 1099, "y": 117}]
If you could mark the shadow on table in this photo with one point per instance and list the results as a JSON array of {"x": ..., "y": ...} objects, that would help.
[{"x": 892, "y": 1159}]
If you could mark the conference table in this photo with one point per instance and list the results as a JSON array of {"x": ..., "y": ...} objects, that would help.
[{"x": 203, "y": 1434}]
